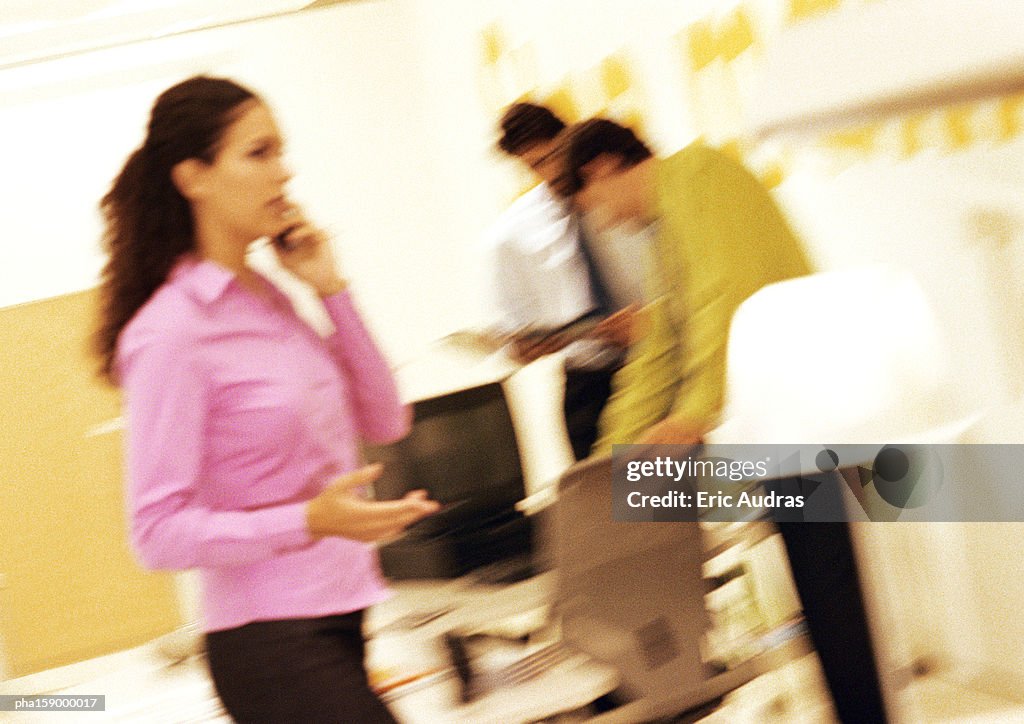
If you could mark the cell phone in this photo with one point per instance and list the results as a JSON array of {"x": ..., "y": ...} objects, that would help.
[{"x": 281, "y": 240}]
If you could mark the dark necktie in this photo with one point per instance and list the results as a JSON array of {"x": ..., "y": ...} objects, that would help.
[{"x": 605, "y": 303}]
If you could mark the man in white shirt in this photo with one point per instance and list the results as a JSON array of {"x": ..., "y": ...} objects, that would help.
[{"x": 543, "y": 277}]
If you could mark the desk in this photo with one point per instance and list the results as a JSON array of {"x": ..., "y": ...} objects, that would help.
[{"x": 405, "y": 639}]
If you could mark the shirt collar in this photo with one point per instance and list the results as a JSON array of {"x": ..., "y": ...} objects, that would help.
[
  {"x": 203, "y": 279},
  {"x": 548, "y": 194}
]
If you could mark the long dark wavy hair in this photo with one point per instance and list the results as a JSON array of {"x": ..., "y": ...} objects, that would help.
[{"x": 148, "y": 223}]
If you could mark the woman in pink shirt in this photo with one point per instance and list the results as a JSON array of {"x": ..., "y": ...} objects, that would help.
[{"x": 242, "y": 422}]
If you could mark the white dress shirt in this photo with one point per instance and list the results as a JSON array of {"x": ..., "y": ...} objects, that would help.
[{"x": 538, "y": 276}]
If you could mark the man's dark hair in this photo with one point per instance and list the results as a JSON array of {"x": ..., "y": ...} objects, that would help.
[
  {"x": 525, "y": 124},
  {"x": 587, "y": 140}
]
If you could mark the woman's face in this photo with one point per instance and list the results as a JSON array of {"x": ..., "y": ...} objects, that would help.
[{"x": 242, "y": 192}]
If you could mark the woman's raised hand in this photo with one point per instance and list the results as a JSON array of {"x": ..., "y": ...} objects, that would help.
[{"x": 305, "y": 251}]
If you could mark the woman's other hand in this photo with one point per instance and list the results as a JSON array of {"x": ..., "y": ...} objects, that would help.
[{"x": 340, "y": 510}]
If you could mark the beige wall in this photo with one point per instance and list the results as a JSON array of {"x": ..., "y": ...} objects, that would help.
[{"x": 72, "y": 590}]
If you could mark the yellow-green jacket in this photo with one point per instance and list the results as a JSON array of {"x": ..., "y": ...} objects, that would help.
[{"x": 721, "y": 238}]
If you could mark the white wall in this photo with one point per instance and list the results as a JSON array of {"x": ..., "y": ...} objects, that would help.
[
  {"x": 347, "y": 86},
  {"x": 927, "y": 216}
]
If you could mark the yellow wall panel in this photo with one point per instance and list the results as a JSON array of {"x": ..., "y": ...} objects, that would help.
[
  {"x": 911, "y": 134},
  {"x": 802, "y": 9},
  {"x": 957, "y": 126},
  {"x": 563, "y": 103},
  {"x": 616, "y": 78},
  {"x": 772, "y": 175},
  {"x": 1008, "y": 113},
  {"x": 701, "y": 45},
  {"x": 73, "y": 589},
  {"x": 736, "y": 34},
  {"x": 492, "y": 43},
  {"x": 863, "y": 139}
]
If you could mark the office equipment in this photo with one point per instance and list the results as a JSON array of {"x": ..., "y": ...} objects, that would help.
[
  {"x": 463, "y": 450},
  {"x": 901, "y": 391},
  {"x": 632, "y": 595}
]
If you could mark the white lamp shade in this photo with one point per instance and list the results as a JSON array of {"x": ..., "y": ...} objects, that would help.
[{"x": 837, "y": 357}]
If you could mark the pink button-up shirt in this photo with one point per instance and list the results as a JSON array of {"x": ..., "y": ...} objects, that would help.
[{"x": 237, "y": 414}]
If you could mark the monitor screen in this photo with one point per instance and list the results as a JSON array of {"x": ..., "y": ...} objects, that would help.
[{"x": 462, "y": 449}]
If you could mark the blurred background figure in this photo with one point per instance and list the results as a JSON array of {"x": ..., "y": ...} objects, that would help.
[
  {"x": 551, "y": 286},
  {"x": 243, "y": 423},
  {"x": 720, "y": 238}
]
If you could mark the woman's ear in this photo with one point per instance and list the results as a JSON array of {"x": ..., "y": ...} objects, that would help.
[{"x": 187, "y": 177}]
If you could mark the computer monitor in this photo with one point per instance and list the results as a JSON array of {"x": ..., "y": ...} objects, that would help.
[{"x": 464, "y": 452}]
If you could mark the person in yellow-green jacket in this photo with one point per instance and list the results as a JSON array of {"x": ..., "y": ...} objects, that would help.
[{"x": 719, "y": 238}]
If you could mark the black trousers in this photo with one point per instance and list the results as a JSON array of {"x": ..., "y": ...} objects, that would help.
[
  {"x": 298, "y": 670},
  {"x": 821, "y": 557},
  {"x": 586, "y": 392}
]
